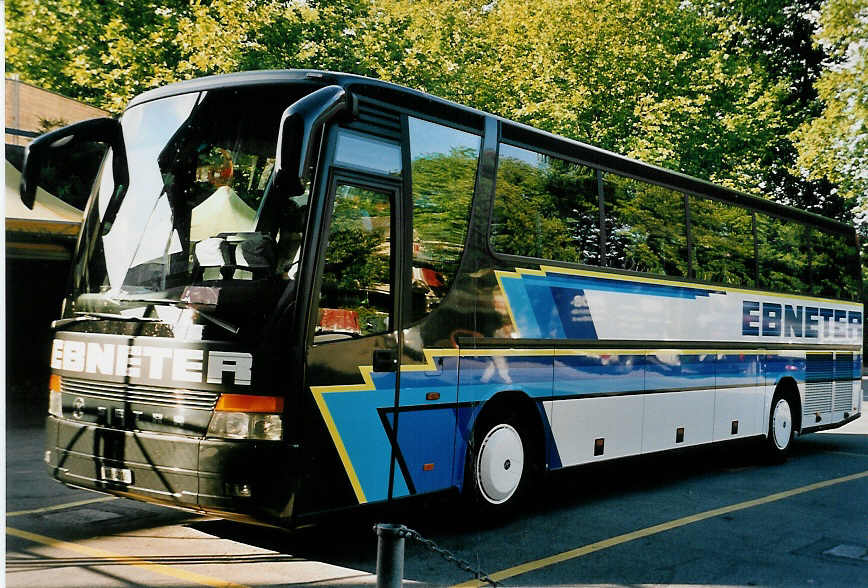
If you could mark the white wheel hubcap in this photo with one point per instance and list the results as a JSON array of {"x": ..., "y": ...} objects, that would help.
[
  {"x": 782, "y": 424},
  {"x": 499, "y": 464}
]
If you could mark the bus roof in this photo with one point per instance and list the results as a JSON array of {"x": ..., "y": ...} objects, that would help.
[{"x": 512, "y": 132}]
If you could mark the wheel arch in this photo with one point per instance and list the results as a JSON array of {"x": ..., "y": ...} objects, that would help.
[
  {"x": 789, "y": 389},
  {"x": 506, "y": 404}
]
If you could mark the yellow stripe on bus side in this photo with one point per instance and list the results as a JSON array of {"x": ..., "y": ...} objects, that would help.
[
  {"x": 339, "y": 443},
  {"x": 368, "y": 385},
  {"x": 131, "y": 560},
  {"x": 655, "y": 529},
  {"x": 549, "y": 269},
  {"x": 500, "y": 274}
]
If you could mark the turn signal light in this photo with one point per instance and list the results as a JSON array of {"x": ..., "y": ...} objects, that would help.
[
  {"x": 249, "y": 403},
  {"x": 55, "y": 398}
]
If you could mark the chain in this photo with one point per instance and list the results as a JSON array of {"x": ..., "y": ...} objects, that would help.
[{"x": 447, "y": 555}]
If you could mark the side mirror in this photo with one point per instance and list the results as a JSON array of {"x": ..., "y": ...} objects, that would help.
[
  {"x": 44, "y": 147},
  {"x": 296, "y": 139}
]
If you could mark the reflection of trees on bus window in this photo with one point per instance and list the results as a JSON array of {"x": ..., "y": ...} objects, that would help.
[
  {"x": 645, "y": 227},
  {"x": 722, "y": 236},
  {"x": 784, "y": 251},
  {"x": 545, "y": 207},
  {"x": 355, "y": 296},
  {"x": 69, "y": 172},
  {"x": 444, "y": 162},
  {"x": 835, "y": 263}
]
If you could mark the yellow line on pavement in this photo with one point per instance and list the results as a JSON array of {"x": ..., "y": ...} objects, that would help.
[
  {"x": 627, "y": 537},
  {"x": 130, "y": 560},
  {"x": 18, "y": 513}
]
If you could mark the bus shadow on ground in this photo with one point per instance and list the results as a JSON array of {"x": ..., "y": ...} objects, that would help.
[{"x": 348, "y": 539}]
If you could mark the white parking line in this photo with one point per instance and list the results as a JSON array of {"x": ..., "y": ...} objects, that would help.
[{"x": 18, "y": 513}]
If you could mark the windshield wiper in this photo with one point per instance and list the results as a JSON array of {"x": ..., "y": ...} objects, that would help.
[
  {"x": 101, "y": 316},
  {"x": 181, "y": 304}
]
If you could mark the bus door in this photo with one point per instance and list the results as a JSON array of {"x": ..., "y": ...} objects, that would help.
[{"x": 353, "y": 361}]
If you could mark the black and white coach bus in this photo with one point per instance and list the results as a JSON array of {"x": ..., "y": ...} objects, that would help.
[{"x": 296, "y": 291}]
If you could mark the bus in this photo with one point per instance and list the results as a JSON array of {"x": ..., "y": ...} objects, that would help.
[{"x": 300, "y": 291}]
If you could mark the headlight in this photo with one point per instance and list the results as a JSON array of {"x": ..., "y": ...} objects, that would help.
[
  {"x": 266, "y": 426},
  {"x": 245, "y": 416},
  {"x": 242, "y": 425}
]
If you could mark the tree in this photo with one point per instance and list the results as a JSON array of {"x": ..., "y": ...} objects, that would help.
[
  {"x": 98, "y": 51},
  {"x": 778, "y": 35},
  {"x": 714, "y": 88},
  {"x": 835, "y": 144},
  {"x": 105, "y": 52}
]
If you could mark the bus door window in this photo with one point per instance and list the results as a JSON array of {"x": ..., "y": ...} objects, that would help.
[
  {"x": 356, "y": 294},
  {"x": 444, "y": 162}
]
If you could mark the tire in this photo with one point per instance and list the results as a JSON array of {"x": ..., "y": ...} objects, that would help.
[
  {"x": 499, "y": 466},
  {"x": 781, "y": 432}
]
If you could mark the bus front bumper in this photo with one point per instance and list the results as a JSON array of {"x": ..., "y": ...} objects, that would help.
[{"x": 248, "y": 481}]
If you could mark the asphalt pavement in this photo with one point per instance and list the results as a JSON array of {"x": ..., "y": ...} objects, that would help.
[{"x": 708, "y": 516}]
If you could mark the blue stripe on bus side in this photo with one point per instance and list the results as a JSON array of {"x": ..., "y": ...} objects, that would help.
[
  {"x": 554, "y": 306},
  {"x": 439, "y": 431},
  {"x": 782, "y": 366}
]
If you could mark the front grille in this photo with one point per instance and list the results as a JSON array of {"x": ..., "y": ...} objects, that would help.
[{"x": 196, "y": 399}]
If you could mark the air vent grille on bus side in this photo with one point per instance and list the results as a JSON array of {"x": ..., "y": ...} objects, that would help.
[
  {"x": 197, "y": 399},
  {"x": 843, "y": 381},
  {"x": 378, "y": 120},
  {"x": 819, "y": 373}
]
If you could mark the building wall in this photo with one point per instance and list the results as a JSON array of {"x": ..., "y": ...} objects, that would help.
[
  {"x": 27, "y": 106},
  {"x": 34, "y": 285}
]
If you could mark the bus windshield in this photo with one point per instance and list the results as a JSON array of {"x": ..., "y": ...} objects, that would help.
[{"x": 195, "y": 222}]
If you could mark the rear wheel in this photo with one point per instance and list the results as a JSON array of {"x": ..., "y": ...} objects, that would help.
[{"x": 780, "y": 437}]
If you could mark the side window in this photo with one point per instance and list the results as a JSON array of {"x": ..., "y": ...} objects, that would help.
[
  {"x": 784, "y": 254},
  {"x": 836, "y": 265},
  {"x": 444, "y": 162},
  {"x": 545, "y": 207},
  {"x": 645, "y": 227},
  {"x": 356, "y": 293},
  {"x": 69, "y": 173},
  {"x": 367, "y": 153},
  {"x": 723, "y": 248}
]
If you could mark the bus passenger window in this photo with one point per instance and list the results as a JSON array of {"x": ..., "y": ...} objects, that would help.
[
  {"x": 723, "y": 250},
  {"x": 545, "y": 207},
  {"x": 835, "y": 264},
  {"x": 784, "y": 254},
  {"x": 356, "y": 295},
  {"x": 444, "y": 162},
  {"x": 646, "y": 229}
]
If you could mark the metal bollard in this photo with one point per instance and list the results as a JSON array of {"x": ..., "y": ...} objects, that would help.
[{"x": 390, "y": 555}]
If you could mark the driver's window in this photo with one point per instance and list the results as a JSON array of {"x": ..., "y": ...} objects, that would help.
[{"x": 356, "y": 293}]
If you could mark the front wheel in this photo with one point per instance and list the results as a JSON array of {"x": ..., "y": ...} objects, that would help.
[
  {"x": 498, "y": 466},
  {"x": 781, "y": 433}
]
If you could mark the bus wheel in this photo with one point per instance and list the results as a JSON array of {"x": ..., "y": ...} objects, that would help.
[
  {"x": 498, "y": 465},
  {"x": 781, "y": 431}
]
